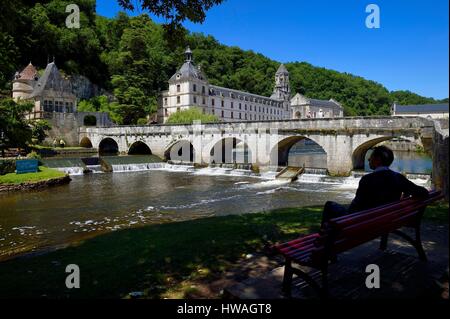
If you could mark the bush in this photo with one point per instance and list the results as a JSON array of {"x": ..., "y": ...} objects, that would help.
[
  {"x": 142, "y": 121},
  {"x": 7, "y": 166},
  {"x": 34, "y": 155}
]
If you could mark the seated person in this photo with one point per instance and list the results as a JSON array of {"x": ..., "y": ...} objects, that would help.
[{"x": 382, "y": 186}]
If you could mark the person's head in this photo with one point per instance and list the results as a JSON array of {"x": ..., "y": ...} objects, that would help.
[{"x": 381, "y": 156}]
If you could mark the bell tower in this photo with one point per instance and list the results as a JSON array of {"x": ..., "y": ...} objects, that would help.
[{"x": 282, "y": 89}]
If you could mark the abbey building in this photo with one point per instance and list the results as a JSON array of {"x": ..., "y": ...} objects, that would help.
[{"x": 188, "y": 88}]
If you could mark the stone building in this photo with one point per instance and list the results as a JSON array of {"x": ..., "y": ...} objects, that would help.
[
  {"x": 54, "y": 98},
  {"x": 430, "y": 111},
  {"x": 188, "y": 87},
  {"x": 50, "y": 92},
  {"x": 303, "y": 107}
]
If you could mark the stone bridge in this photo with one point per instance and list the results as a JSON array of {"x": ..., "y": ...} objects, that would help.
[{"x": 345, "y": 140}]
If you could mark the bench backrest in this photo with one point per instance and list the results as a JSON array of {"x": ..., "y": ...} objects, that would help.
[{"x": 355, "y": 229}]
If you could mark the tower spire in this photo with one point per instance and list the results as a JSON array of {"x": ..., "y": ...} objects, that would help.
[{"x": 188, "y": 54}]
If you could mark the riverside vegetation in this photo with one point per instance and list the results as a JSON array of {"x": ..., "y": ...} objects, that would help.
[{"x": 162, "y": 260}]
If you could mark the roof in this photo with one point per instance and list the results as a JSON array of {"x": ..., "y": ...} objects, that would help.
[
  {"x": 28, "y": 73},
  {"x": 188, "y": 70},
  {"x": 421, "y": 108},
  {"x": 228, "y": 91},
  {"x": 282, "y": 69},
  {"x": 315, "y": 102},
  {"x": 51, "y": 79}
]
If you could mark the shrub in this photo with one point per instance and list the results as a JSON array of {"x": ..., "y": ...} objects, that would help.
[
  {"x": 7, "y": 166},
  {"x": 34, "y": 155}
]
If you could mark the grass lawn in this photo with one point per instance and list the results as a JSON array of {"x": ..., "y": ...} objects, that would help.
[
  {"x": 160, "y": 260},
  {"x": 43, "y": 174}
]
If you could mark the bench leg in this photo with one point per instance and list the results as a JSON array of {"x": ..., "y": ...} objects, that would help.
[
  {"x": 384, "y": 242},
  {"x": 419, "y": 247},
  {"x": 417, "y": 243},
  {"x": 287, "y": 278}
]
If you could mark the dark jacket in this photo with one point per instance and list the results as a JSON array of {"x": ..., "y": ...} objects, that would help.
[{"x": 383, "y": 187}]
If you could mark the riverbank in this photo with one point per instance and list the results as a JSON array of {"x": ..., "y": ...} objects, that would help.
[
  {"x": 165, "y": 260},
  {"x": 45, "y": 177}
]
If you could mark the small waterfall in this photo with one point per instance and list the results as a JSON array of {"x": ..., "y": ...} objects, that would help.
[
  {"x": 137, "y": 167},
  {"x": 315, "y": 171},
  {"x": 76, "y": 170},
  {"x": 94, "y": 169}
]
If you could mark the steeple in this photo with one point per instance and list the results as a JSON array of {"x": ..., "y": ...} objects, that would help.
[
  {"x": 188, "y": 54},
  {"x": 282, "y": 89}
]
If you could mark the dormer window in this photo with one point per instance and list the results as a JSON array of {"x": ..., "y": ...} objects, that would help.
[{"x": 178, "y": 75}]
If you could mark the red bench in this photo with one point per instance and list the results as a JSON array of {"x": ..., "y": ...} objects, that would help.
[{"x": 344, "y": 233}]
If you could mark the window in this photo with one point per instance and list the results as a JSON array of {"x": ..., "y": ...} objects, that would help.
[
  {"x": 195, "y": 88},
  {"x": 178, "y": 109},
  {"x": 240, "y": 106},
  {"x": 245, "y": 115},
  {"x": 231, "y": 114},
  {"x": 222, "y": 113},
  {"x": 231, "y": 104},
  {"x": 250, "y": 107},
  {"x": 245, "y": 107},
  {"x": 212, "y": 102},
  {"x": 165, "y": 101},
  {"x": 166, "y": 113},
  {"x": 178, "y": 100},
  {"x": 195, "y": 99},
  {"x": 223, "y": 103},
  {"x": 178, "y": 88},
  {"x": 213, "y": 111},
  {"x": 203, "y": 90},
  {"x": 240, "y": 116},
  {"x": 203, "y": 101}
]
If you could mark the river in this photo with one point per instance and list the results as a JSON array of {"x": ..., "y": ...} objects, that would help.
[{"x": 135, "y": 195}]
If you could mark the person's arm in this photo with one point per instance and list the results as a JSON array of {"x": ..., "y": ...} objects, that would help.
[
  {"x": 360, "y": 197},
  {"x": 409, "y": 188}
]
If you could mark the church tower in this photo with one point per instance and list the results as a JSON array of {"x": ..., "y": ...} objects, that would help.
[{"x": 282, "y": 89}]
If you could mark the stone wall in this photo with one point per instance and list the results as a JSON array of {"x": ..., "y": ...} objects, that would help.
[
  {"x": 35, "y": 185},
  {"x": 440, "y": 159}
]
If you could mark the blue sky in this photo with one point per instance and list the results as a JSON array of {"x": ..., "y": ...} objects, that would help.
[{"x": 410, "y": 50}]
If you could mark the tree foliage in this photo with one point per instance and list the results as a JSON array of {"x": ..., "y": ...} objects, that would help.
[
  {"x": 132, "y": 57},
  {"x": 39, "y": 130},
  {"x": 16, "y": 129},
  {"x": 191, "y": 115}
]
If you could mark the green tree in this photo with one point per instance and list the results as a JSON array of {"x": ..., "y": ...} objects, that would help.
[
  {"x": 16, "y": 129},
  {"x": 39, "y": 130},
  {"x": 190, "y": 115}
]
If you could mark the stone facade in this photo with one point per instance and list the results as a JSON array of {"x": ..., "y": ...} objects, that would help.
[
  {"x": 303, "y": 107},
  {"x": 188, "y": 87},
  {"x": 50, "y": 92}
]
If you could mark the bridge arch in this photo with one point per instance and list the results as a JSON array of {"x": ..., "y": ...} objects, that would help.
[
  {"x": 279, "y": 154},
  {"x": 230, "y": 150},
  {"x": 108, "y": 146},
  {"x": 181, "y": 150},
  {"x": 359, "y": 154},
  {"x": 139, "y": 148},
  {"x": 86, "y": 142}
]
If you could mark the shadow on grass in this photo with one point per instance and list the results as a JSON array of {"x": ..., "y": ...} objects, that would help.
[{"x": 154, "y": 258}]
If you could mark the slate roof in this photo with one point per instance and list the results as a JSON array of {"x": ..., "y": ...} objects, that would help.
[
  {"x": 282, "y": 69},
  {"x": 51, "y": 79},
  {"x": 421, "y": 108}
]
